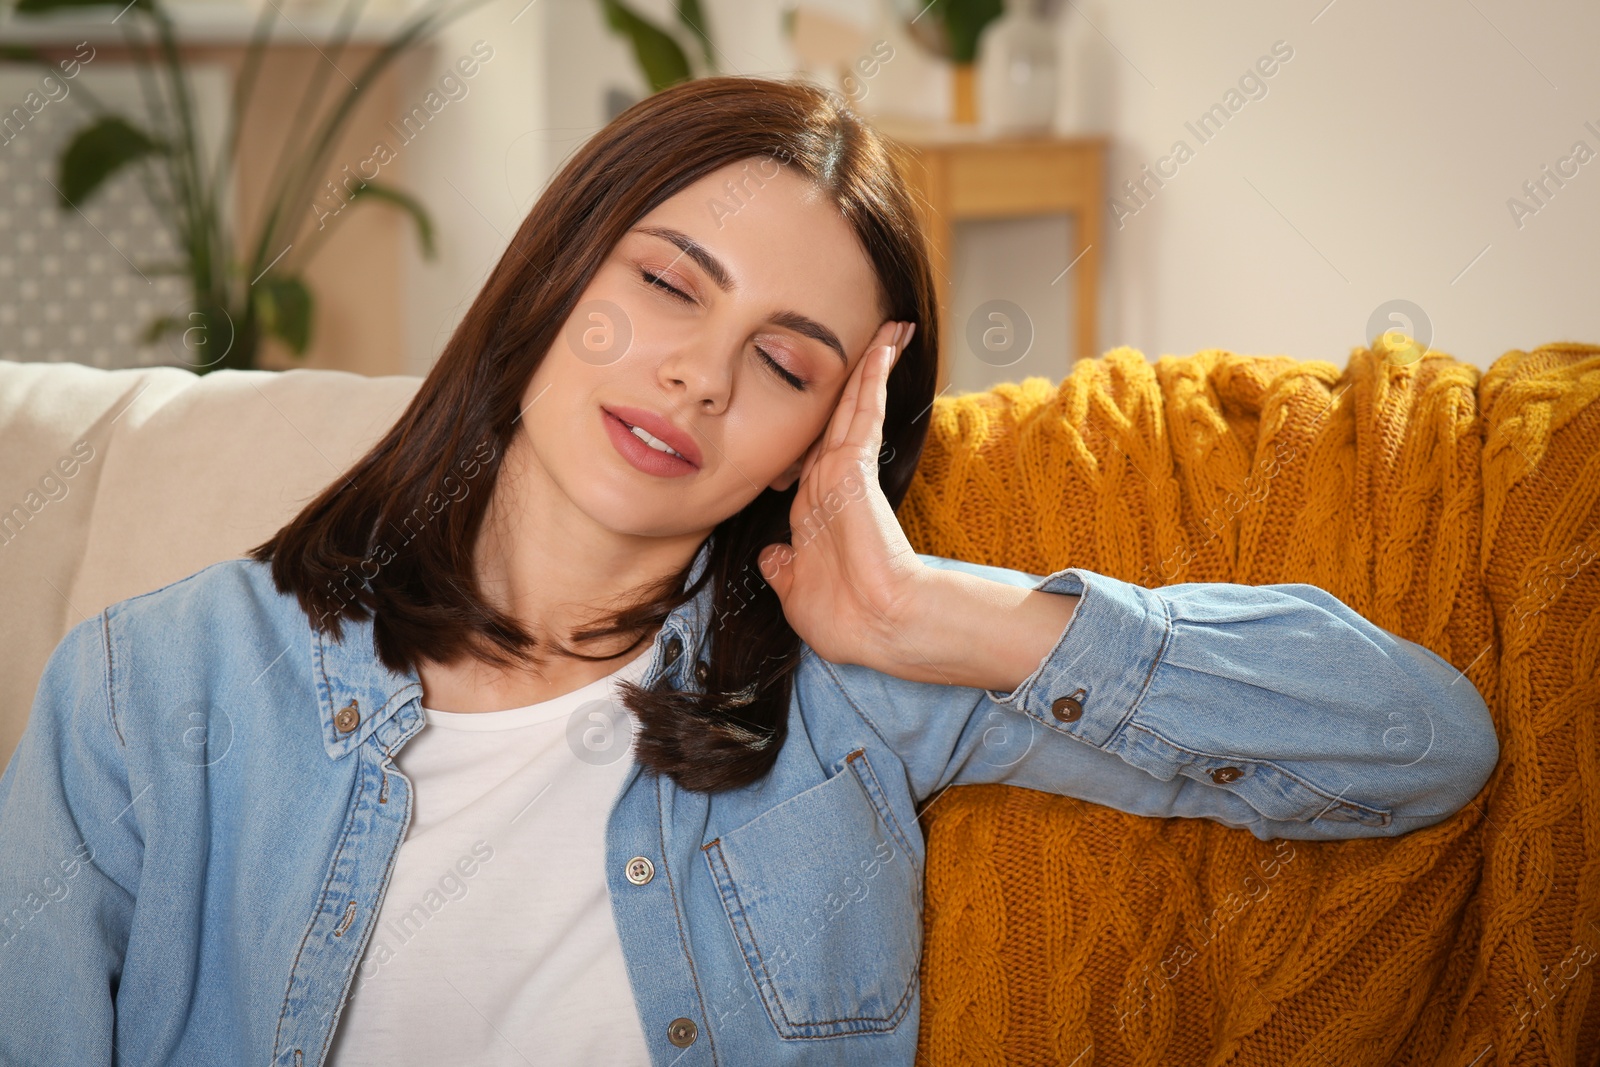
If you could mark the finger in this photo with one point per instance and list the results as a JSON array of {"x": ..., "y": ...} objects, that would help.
[
  {"x": 811, "y": 459},
  {"x": 845, "y": 411},
  {"x": 867, "y": 426},
  {"x": 871, "y": 399},
  {"x": 874, "y": 387},
  {"x": 844, "y": 414}
]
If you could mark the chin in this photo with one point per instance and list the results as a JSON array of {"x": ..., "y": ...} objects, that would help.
[{"x": 631, "y": 512}]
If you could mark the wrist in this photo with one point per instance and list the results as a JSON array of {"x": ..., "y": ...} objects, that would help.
[
  {"x": 955, "y": 628},
  {"x": 905, "y": 643},
  {"x": 936, "y": 631}
]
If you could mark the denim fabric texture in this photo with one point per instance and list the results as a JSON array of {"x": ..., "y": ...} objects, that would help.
[{"x": 193, "y": 852}]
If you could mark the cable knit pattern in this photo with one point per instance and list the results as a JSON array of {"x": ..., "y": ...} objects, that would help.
[{"x": 1457, "y": 508}]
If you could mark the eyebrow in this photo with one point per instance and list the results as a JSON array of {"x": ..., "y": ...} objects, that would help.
[{"x": 792, "y": 320}]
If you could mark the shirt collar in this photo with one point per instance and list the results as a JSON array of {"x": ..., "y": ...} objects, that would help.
[
  {"x": 356, "y": 691},
  {"x": 688, "y": 620}
]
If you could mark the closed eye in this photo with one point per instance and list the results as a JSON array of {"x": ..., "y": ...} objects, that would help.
[
  {"x": 789, "y": 378},
  {"x": 657, "y": 281},
  {"x": 795, "y": 381}
]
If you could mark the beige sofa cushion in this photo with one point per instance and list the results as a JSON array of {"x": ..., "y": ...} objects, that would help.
[{"x": 115, "y": 483}]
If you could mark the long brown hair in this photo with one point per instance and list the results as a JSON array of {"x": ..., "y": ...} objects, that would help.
[{"x": 395, "y": 535}]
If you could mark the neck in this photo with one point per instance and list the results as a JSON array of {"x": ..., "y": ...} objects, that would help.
[{"x": 554, "y": 569}]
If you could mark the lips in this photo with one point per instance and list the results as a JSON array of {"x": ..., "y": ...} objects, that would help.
[{"x": 659, "y": 427}]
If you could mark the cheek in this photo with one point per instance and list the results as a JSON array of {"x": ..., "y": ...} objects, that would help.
[
  {"x": 551, "y": 382},
  {"x": 560, "y": 406},
  {"x": 770, "y": 436}
]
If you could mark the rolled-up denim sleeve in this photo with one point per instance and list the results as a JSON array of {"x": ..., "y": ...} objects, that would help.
[
  {"x": 1272, "y": 708},
  {"x": 69, "y": 851}
]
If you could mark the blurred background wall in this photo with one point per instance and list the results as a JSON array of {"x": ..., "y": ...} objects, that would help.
[{"x": 1381, "y": 162}]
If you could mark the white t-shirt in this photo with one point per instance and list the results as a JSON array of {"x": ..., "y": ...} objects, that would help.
[{"x": 495, "y": 942}]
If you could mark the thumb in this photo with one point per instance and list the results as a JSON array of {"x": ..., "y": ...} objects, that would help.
[{"x": 774, "y": 562}]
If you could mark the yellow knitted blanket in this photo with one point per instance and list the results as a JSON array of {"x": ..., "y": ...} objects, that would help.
[{"x": 1457, "y": 508}]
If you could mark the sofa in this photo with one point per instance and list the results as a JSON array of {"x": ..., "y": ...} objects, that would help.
[{"x": 1455, "y": 507}]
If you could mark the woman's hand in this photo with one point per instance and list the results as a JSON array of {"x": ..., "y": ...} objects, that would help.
[
  {"x": 852, "y": 586},
  {"x": 850, "y": 569}
]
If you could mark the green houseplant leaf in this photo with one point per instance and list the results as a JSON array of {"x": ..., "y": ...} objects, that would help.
[
  {"x": 660, "y": 57},
  {"x": 189, "y": 192},
  {"x": 965, "y": 19},
  {"x": 158, "y": 328},
  {"x": 284, "y": 305},
  {"x": 193, "y": 332},
  {"x": 97, "y": 152},
  {"x": 693, "y": 16},
  {"x": 407, "y": 203}
]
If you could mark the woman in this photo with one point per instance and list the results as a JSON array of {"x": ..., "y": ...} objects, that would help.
[{"x": 630, "y": 556}]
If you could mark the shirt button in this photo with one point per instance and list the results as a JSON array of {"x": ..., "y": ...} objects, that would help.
[
  {"x": 682, "y": 1032},
  {"x": 640, "y": 870},
  {"x": 674, "y": 649},
  {"x": 348, "y": 717},
  {"x": 1224, "y": 775},
  {"x": 700, "y": 673},
  {"x": 1068, "y": 709}
]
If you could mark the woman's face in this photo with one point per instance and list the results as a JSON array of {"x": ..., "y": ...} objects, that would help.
[{"x": 771, "y": 304}]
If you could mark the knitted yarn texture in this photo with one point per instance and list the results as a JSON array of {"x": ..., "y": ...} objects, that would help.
[{"x": 1459, "y": 509}]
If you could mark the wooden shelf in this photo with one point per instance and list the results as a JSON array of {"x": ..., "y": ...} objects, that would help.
[{"x": 958, "y": 172}]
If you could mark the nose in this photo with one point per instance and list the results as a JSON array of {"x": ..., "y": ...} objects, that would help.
[{"x": 698, "y": 373}]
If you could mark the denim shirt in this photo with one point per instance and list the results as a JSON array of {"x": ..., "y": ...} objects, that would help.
[{"x": 198, "y": 826}]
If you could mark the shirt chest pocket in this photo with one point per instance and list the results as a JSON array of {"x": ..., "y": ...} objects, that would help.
[{"x": 824, "y": 895}]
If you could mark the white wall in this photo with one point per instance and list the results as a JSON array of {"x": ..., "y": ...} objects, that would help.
[
  {"x": 486, "y": 160},
  {"x": 1377, "y": 167}
]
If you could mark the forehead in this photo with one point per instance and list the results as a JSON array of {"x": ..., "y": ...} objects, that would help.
[{"x": 783, "y": 242}]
